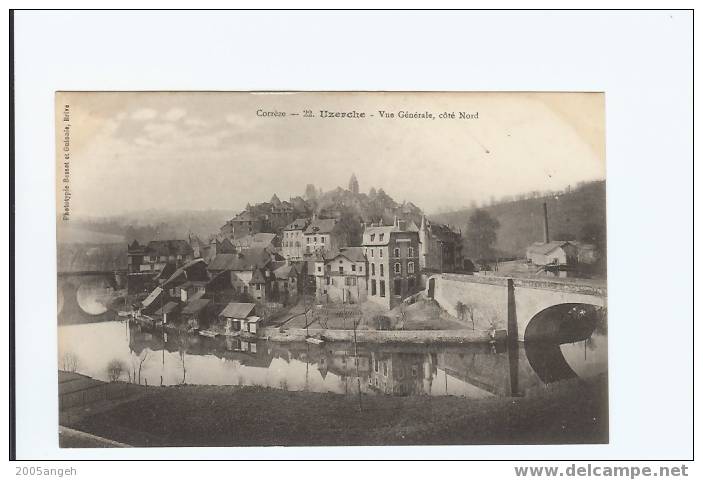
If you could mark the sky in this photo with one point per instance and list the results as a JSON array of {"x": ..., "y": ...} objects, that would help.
[{"x": 132, "y": 151}]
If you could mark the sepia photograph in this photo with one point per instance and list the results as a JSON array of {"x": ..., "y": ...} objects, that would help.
[{"x": 331, "y": 268}]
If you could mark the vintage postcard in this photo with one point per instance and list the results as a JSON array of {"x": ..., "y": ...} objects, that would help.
[{"x": 331, "y": 268}]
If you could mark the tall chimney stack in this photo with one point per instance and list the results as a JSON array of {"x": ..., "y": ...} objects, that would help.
[{"x": 546, "y": 223}]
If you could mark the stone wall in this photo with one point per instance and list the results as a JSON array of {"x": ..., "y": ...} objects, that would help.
[
  {"x": 383, "y": 336},
  {"x": 485, "y": 298}
]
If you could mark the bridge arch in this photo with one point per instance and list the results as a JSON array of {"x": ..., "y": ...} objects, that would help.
[
  {"x": 84, "y": 298},
  {"x": 555, "y": 326},
  {"x": 562, "y": 323}
]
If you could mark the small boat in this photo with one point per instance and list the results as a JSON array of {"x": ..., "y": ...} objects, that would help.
[
  {"x": 208, "y": 333},
  {"x": 314, "y": 341}
]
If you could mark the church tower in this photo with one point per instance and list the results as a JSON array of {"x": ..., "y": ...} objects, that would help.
[{"x": 353, "y": 185}]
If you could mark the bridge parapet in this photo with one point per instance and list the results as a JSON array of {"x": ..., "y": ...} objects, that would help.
[
  {"x": 493, "y": 300},
  {"x": 537, "y": 283}
]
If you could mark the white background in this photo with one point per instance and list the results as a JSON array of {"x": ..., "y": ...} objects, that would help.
[{"x": 643, "y": 61}]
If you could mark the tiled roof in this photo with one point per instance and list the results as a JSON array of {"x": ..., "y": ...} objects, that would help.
[
  {"x": 324, "y": 225},
  {"x": 256, "y": 240},
  {"x": 194, "y": 306},
  {"x": 168, "y": 247},
  {"x": 286, "y": 271},
  {"x": 243, "y": 216},
  {"x": 544, "y": 248},
  {"x": 297, "y": 224},
  {"x": 245, "y": 260},
  {"x": 353, "y": 254},
  {"x": 386, "y": 230},
  {"x": 152, "y": 296},
  {"x": 258, "y": 276},
  {"x": 183, "y": 270},
  {"x": 443, "y": 232},
  {"x": 237, "y": 310},
  {"x": 166, "y": 309}
]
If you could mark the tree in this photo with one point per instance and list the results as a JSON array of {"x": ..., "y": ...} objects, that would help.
[
  {"x": 69, "y": 362},
  {"x": 353, "y": 184},
  {"x": 564, "y": 236},
  {"x": 310, "y": 192},
  {"x": 349, "y": 226},
  {"x": 481, "y": 234},
  {"x": 115, "y": 369},
  {"x": 594, "y": 234}
]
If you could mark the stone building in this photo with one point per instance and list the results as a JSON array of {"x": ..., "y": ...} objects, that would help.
[
  {"x": 292, "y": 244},
  {"x": 393, "y": 256},
  {"x": 440, "y": 248},
  {"x": 322, "y": 236},
  {"x": 342, "y": 276}
]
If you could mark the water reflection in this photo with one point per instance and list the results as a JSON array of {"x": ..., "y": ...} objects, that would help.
[{"x": 475, "y": 371}]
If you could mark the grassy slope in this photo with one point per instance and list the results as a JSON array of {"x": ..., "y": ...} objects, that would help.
[
  {"x": 521, "y": 221},
  {"x": 246, "y": 416}
]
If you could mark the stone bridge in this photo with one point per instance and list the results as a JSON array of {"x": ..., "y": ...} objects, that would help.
[
  {"x": 83, "y": 296},
  {"x": 519, "y": 305}
]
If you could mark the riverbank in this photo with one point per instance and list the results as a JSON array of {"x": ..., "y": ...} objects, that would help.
[
  {"x": 218, "y": 416},
  {"x": 384, "y": 337}
]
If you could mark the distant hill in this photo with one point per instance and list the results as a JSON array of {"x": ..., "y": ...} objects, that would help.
[
  {"x": 521, "y": 220},
  {"x": 145, "y": 226}
]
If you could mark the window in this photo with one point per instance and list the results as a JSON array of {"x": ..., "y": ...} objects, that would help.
[
  {"x": 373, "y": 269},
  {"x": 373, "y": 287},
  {"x": 341, "y": 269},
  {"x": 382, "y": 288},
  {"x": 322, "y": 239},
  {"x": 414, "y": 370},
  {"x": 380, "y": 237},
  {"x": 319, "y": 268},
  {"x": 373, "y": 237},
  {"x": 380, "y": 253},
  {"x": 396, "y": 252},
  {"x": 396, "y": 268},
  {"x": 353, "y": 267},
  {"x": 375, "y": 365},
  {"x": 381, "y": 265},
  {"x": 411, "y": 252},
  {"x": 361, "y": 269},
  {"x": 397, "y": 287},
  {"x": 411, "y": 267},
  {"x": 327, "y": 280},
  {"x": 308, "y": 238},
  {"x": 350, "y": 281},
  {"x": 258, "y": 286},
  {"x": 315, "y": 239}
]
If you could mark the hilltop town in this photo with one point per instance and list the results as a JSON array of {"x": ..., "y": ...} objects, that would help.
[{"x": 310, "y": 260}]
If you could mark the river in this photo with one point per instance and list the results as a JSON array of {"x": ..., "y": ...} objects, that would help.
[{"x": 474, "y": 371}]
